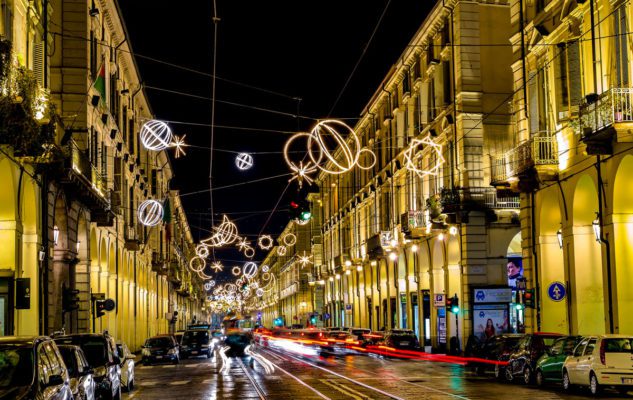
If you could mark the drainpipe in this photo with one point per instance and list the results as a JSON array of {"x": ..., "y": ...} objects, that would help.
[
  {"x": 537, "y": 299},
  {"x": 607, "y": 245},
  {"x": 522, "y": 28}
]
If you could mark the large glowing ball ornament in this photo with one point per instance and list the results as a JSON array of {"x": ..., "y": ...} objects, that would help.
[
  {"x": 259, "y": 292},
  {"x": 156, "y": 135},
  {"x": 244, "y": 161},
  {"x": 265, "y": 268},
  {"x": 281, "y": 250},
  {"x": 150, "y": 213},
  {"x": 249, "y": 270}
]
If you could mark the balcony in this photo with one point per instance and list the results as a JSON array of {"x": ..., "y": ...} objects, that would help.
[
  {"x": 83, "y": 179},
  {"x": 606, "y": 118},
  {"x": 473, "y": 198},
  {"x": 158, "y": 263},
  {"x": 537, "y": 156},
  {"x": 132, "y": 239},
  {"x": 413, "y": 223}
]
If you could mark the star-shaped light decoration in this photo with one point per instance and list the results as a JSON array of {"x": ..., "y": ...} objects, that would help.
[
  {"x": 243, "y": 244},
  {"x": 304, "y": 259},
  {"x": 300, "y": 172},
  {"x": 411, "y": 152},
  {"x": 179, "y": 146},
  {"x": 217, "y": 266}
]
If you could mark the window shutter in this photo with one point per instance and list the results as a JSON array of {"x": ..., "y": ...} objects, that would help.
[
  {"x": 533, "y": 102},
  {"x": 573, "y": 64},
  {"x": 38, "y": 62}
]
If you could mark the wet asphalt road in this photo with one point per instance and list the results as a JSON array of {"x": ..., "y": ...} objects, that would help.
[{"x": 275, "y": 375}]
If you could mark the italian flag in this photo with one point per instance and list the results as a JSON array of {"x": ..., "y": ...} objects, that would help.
[{"x": 100, "y": 83}]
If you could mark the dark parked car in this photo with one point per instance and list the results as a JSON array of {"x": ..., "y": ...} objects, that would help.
[
  {"x": 82, "y": 382},
  {"x": 101, "y": 353},
  {"x": 196, "y": 342},
  {"x": 495, "y": 348},
  {"x": 32, "y": 368},
  {"x": 160, "y": 349},
  {"x": 549, "y": 368},
  {"x": 237, "y": 342},
  {"x": 178, "y": 336},
  {"x": 403, "y": 339},
  {"x": 531, "y": 347}
]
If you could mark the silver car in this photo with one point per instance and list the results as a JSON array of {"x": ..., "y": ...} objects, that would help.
[
  {"x": 82, "y": 383},
  {"x": 127, "y": 366}
]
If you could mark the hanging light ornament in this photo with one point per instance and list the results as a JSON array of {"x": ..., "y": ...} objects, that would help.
[
  {"x": 281, "y": 250},
  {"x": 207, "y": 286},
  {"x": 250, "y": 269},
  {"x": 342, "y": 158},
  {"x": 265, "y": 242},
  {"x": 197, "y": 264},
  {"x": 217, "y": 266},
  {"x": 289, "y": 239},
  {"x": 305, "y": 259},
  {"x": 236, "y": 270},
  {"x": 225, "y": 233},
  {"x": 179, "y": 146},
  {"x": 150, "y": 213},
  {"x": 410, "y": 156},
  {"x": 249, "y": 252},
  {"x": 202, "y": 251},
  {"x": 244, "y": 161},
  {"x": 265, "y": 268},
  {"x": 259, "y": 292}
]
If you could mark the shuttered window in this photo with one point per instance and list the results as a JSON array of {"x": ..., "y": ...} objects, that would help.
[{"x": 620, "y": 37}]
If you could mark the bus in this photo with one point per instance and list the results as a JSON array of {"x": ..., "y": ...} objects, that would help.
[{"x": 240, "y": 323}]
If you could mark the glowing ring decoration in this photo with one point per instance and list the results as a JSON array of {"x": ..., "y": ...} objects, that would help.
[
  {"x": 249, "y": 252},
  {"x": 156, "y": 135},
  {"x": 202, "y": 251},
  {"x": 371, "y": 164},
  {"x": 207, "y": 286},
  {"x": 197, "y": 264},
  {"x": 281, "y": 250},
  {"x": 259, "y": 292},
  {"x": 150, "y": 213},
  {"x": 300, "y": 171},
  {"x": 265, "y": 268},
  {"x": 244, "y": 161},
  {"x": 249, "y": 269},
  {"x": 212, "y": 283},
  {"x": 266, "y": 276},
  {"x": 289, "y": 242},
  {"x": 410, "y": 155},
  {"x": 236, "y": 270},
  {"x": 265, "y": 242}
]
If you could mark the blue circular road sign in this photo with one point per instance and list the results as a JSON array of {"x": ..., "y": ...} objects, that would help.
[{"x": 556, "y": 291}]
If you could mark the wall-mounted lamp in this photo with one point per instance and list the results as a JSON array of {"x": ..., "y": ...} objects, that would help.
[
  {"x": 559, "y": 235},
  {"x": 55, "y": 235},
  {"x": 441, "y": 236},
  {"x": 359, "y": 268},
  {"x": 348, "y": 263},
  {"x": 596, "y": 227},
  {"x": 452, "y": 230},
  {"x": 393, "y": 256},
  {"x": 414, "y": 248},
  {"x": 373, "y": 263}
]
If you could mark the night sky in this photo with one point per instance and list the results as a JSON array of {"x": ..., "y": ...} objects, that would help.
[{"x": 303, "y": 49}]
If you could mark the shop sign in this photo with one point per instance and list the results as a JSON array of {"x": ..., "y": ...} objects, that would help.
[
  {"x": 348, "y": 308},
  {"x": 493, "y": 295}
]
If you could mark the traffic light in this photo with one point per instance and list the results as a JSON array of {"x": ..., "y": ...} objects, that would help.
[
  {"x": 278, "y": 321},
  {"x": 103, "y": 305},
  {"x": 313, "y": 319},
  {"x": 300, "y": 210},
  {"x": 70, "y": 301},
  {"x": 453, "y": 304},
  {"x": 528, "y": 298}
]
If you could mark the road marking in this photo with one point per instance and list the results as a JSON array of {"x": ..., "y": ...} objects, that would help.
[
  {"x": 192, "y": 365},
  {"x": 148, "y": 383},
  {"x": 345, "y": 390},
  {"x": 176, "y": 383},
  {"x": 168, "y": 366}
]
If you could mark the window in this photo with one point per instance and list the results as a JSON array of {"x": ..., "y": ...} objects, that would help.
[
  {"x": 580, "y": 348},
  {"x": 93, "y": 55},
  {"x": 557, "y": 347},
  {"x": 7, "y": 20},
  {"x": 567, "y": 78},
  {"x": 537, "y": 102},
  {"x": 621, "y": 35},
  {"x": 590, "y": 346}
]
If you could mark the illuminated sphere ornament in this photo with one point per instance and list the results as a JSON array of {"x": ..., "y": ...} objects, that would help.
[
  {"x": 207, "y": 286},
  {"x": 250, "y": 269},
  {"x": 281, "y": 250},
  {"x": 259, "y": 292},
  {"x": 156, "y": 135},
  {"x": 265, "y": 268},
  {"x": 150, "y": 213},
  {"x": 244, "y": 161}
]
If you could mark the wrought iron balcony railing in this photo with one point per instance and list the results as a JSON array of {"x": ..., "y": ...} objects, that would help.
[
  {"x": 540, "y": 150},
  {"x": 459, "y": 198},
  {"x": 613, "y": 106},
  {"x": 82, "y": 165}
]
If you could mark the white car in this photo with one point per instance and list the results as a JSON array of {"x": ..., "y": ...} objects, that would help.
[
  {"x": 127, "y": 367},
  {"x": 598, "y": 361}
]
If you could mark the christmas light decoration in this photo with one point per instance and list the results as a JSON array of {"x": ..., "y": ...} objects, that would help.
[
  {"x": 250, "y": 269},
  {"x": 265, "y": 242},
  {"x": 249, "y": 252},
  {"x": 156, "y": 135},
  {"x": 411, "y": 152},
  {"x": 225, "y": 233},
  {"x": 178, "y": 144},
  {"x": 150, "y": 213},
  {"x": 244, "y": 161},
  {"x": 202, "y": 251},
  {"x": 217, "y": 266},
  {"x": 305, "y": 259},
  {"x": 259, "y": 292},
  {"x": 207, "y": 286},
  {"x": 265, "y": 268},
  {"x": 281, "y": 250},
  {"x": 236, "y": 270},
  {"x": 197, "y": 264},
  {"x": 289, "y": 239}
]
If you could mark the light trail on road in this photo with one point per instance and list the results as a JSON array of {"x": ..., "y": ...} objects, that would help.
[{"x": 258, "y": 389}]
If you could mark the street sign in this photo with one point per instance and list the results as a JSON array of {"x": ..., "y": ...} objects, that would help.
[
  {"x": 326, "y": 316},
  {"x": 438, "y": 300},
  {"x": 556, "y": 291}
]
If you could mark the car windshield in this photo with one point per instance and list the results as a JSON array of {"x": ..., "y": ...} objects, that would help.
[
  {"x": 159, "y": 342},
  {"x": 16, "y": 366},
  {"x": 95, "y": 348},
  {"x": 201, "y": 337},
  {"x": 620, "y": 345},
  {"x": 549, "y": 341},
  {"x": 69, "y": 359},
  {"x": 360, "y": 332},
  {"x": 216, "y": 334},
  {"x": 237, "y": 340}
]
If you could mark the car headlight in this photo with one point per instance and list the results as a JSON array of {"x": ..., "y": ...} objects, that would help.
[
  {"x": 215, "y": 340},
  {"x": 171, "y": 352},
  {"x": 146, "y": 352}
]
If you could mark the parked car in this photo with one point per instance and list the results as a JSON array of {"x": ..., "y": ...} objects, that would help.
[
  {"x": 82, "y": 383},
  {"x": 100, "y": 351},
  {"x": 195, "y": 343},
  {"x": 599, "y": 361},
  {"x": 522, "y": 362},
  {"x": 338, "y": 343},
  {"x": 359, "y": 333},
  {"x": 178, "y": 336},
  {"x": 127, "y": 366},
  {"x": 159, "y": 349},
  {"x": 549, "y": 368},
  {"x": 32, "y": 368},
  {"x": 404, "y": 339},
  {"x": 495, "y": 348},
  {"x": 373, "y": 338}
]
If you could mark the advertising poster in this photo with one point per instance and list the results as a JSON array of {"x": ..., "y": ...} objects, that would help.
[
  {"x": 490, "y": 320},
  {"x": 515, "y": 271}
]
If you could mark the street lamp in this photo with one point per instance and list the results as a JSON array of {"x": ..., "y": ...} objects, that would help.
[
  {"x": 373, "y": 263},
  {"x": 393, "y": 256},
  {"x": 559, "y": 235},
  {"x": 414, "y": 248},
  {"x": 596, "y": 227}
]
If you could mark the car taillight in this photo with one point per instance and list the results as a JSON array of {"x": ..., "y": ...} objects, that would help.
[{"x": 602, "y": 353}]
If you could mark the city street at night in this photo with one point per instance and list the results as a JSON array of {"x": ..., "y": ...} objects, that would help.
[{"x": 359, "y": 377}]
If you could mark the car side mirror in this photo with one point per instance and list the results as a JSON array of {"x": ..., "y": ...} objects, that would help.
[{"x": 55, "y": 380}]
